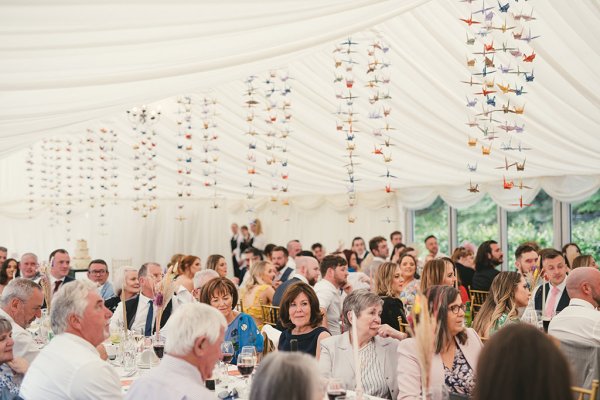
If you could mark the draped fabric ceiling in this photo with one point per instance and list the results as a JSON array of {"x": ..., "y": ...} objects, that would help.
[{"x": 68, "y": 66}]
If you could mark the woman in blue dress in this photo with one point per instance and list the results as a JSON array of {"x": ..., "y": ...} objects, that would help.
[{"x": 221, "y": 293}]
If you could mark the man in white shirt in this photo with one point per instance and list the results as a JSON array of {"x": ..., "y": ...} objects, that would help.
[
  {"x": 28, "y": 267},
  {"x": 379, "y": 249},
  {"x": 141, "y": 310},
  {"x": 98, "y": 273},
  {"x": 21, "y": 304},
  {"x": 334, "y": 270},
  {"x": 431, "y": 244},
  {"x": 293, "y": 247},
  {"x": 579, "y": 322},
  {"x": 69, "y": 367},
  {"x": 191, "y": 353}
]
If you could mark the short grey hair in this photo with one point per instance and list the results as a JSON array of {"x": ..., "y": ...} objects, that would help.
[
  {"x": 280, "y": 371},
  {"x": 357, "y": 301},
  {"x": 193, "y": 320},
  {"x": 18, "y": 288},
  {"x": 29, "y": 255},
  {"x": 71, "y": 298},
  {"x": 119, "y": 277},
  {"x": 5, "y": 325},
  {"x": 201, "y": 277}
]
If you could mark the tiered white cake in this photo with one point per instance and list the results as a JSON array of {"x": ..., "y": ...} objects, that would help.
[{"x": 82, "y": 259}]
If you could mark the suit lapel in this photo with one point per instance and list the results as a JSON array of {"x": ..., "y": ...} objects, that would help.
[{"x": 346, "y": 351}]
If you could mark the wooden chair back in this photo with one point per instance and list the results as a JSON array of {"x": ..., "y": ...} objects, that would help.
[
  {"x": 586, "y": 394},
  {"x": 477, "y": 299},
  {"x": 270, "y": 314},
  {"x": 404, "y": 328}
]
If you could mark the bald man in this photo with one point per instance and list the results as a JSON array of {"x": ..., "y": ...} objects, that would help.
[
  {"x": 579, "y": 322},
  {"x": 307, "y": 271}
]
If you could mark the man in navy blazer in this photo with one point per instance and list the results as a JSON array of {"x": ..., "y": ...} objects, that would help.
[{"x": 554, "y": 294}]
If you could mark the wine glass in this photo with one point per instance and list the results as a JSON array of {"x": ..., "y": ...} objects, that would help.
[
  {"x": 245, "y": 364},
  {"x": 228, "y": 352},
  {"x": 335, "y": 388},
  {"x": 251, "y": 351},
  {"x": 158, "y": 343}
]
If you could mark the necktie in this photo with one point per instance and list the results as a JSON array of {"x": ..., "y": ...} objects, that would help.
[
  {"x": 551, "y": 303},
  {"x": 56, "y": 286},
  {"x": 149, "y": 319}
]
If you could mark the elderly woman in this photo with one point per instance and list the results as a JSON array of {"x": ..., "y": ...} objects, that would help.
[
  {"x": 279, "y": 372},
  {"x": 456, "y": 349},
  {"x": 7, "y": 272},
  {"x": 301, "y": 316},
  {"x": 221, "y": 294},
  {"x": 377, "y": 348},
  {"x": 8, "y": 388},
  {"x": 257, "y": 290},
  {"x": 388, "y": 286},
  {"x": 126, "y": 282},
  {"x": 508, "y": 292}
]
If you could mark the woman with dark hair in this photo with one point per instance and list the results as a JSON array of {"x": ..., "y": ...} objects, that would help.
[
  {"x": 398, "y": 249},
  {"x": 569, "y": 252},
  {"x": 184, "y": 283},
  {"x": 456, "y": 349},
  {"x": 221, "y": 294},
  {"x": 301, "y": 316},
  {"x": 10, "y": 266},
  {"x": 508, "y": 292},
  {"x": 520, "y": 362},
  {"x": 388, "y": 286},
  {"x": 352, "y": 258}
]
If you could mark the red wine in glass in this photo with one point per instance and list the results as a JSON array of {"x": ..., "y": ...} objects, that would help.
[
  {"x": 245, "y": 369},
  {"x": 227, "y": 357},
  {"x": 159, "y": 350}
]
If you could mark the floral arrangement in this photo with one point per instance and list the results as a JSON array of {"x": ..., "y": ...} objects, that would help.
[
  {"x": 162, "y": 295},
  {"x": 45, "y": 283},
  {"x": 423, "y": 328}
]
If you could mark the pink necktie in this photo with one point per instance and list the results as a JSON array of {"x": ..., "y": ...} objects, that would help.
[{"x": 551, "y": 303}]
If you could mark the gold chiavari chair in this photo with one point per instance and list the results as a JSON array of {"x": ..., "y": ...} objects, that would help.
[
  {"x": 477, "y": 299},
  {"x": 404, "y": 328},
  {"x": 270, "y": 314},
  {"x": 582, "y": 393}
]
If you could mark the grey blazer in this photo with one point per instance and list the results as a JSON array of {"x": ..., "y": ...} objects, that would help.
[{"x": 337, "y": 360}]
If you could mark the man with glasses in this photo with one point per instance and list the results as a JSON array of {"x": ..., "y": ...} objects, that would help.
[{"x": 98, "y": 273}]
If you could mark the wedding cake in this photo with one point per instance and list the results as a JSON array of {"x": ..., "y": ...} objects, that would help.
[{"x": 82, "y": 259}]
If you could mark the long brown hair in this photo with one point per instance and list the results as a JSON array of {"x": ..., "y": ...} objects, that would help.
[
  {"x": 439, "y": 297},
  {"x": 500, "y": 300},
  {"x": 383, "y": 279}
]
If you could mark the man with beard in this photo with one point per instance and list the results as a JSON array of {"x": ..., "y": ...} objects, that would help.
[
  {"x": 489, "y": 256},
  {"x": 579, "y": 322},
  {"x": 334, "y": 270},
  {"x": 280, "y": 259},
  {"x": 307, "y": 271}
]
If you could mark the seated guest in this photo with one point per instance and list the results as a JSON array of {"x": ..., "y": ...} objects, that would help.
[
  {"x": 439, "y": 271},
  {"x": 489, "y": 256},
  {"x": 241, "y": 329},
  {"x": 258, "y": 290},
  {"x": 21, "y": 304},
  {"x": 141, "y": 310},
  {"x": 380, "y": 251},
  {"x": 584, "y": 261},
  {"x": 98, "y": 273},
  {"x": 464, "y": 260},
  {"x": 250, "y": 256},
  {"x": 301, "y": 317},
  {"x": 191, "y": 352},
  {"x": 184, "y": 283},
  {"x": 28, "y": 267},
  {"x": 396, "y": 251},
  {"x": 352, "y": 258},
  {"x": 556, "y": 297},
  {"x": 377, "y": 346},
  {"x": 9, "y": 388},
  {"x": 388, "y": 286},
  {"x": 307, "y": 271},
  {"x": 201, "y": 278},
  {"x": 218, "y": 263},
  {"x": 509, "y": 291},
  {"x": 514, "y": 359},
  {"x": 456, "y": 349},
  {"x": 526, "y": 258},
  {"x": 125, "y": 282},
  {"x": 569, "y": 252},
  {"x": 7, "y": 272},
  {"x": 408, "y": 273},
  {"x": 69, "y": 367},
  {"x": 579, "y": 322},
  {"x": 334, "y": 271},
  {"x": 279, "y": 372}
]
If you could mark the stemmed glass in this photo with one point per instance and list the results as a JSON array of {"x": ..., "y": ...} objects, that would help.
[
  {"x": 228, "y": 352},
  {"x": 335, "y": 389},
  {"x": 246, "y": 361}
]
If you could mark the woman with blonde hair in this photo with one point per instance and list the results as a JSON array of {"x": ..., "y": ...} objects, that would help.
[
  {"x": 439, "y": 271},
  {"x": 257, "y": 290},
  {"x": 388, "y": 285},
  {"x": 258, "y": 238},
  {"x": 508, "y": 292},
  {"x": 218, "y": 263},
  {"x": 584, "y": 261}
]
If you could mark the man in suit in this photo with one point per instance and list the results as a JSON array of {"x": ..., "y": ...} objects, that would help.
[
  {"x": 552, "y": 297},
  {"x": 141, "y": 310},
  {"x": 236, "y": 254},
  {"x": 307, "y": 271},
  {"x": 60, "y": 266}
]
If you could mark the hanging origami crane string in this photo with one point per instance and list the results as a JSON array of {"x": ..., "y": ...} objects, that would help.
[
  {"x": 184, "y": 148},
  {"x": 210, "y": 148},
  {"x": 250, "y": 102},
  {"x": 499, "y": 41}
]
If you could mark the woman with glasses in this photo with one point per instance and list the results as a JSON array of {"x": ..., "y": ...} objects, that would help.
[
  {"x": 456, "y": 349},
  {"x": 508, "y": 292}
]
